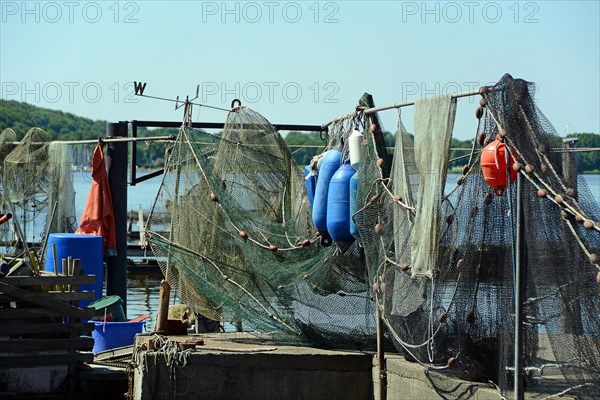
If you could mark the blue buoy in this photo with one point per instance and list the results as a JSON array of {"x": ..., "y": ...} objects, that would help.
[
  {"x": 353, "y": 193},
  {"x": 338, "y": 205},
  {"x": 329, "y": 164},
  {"x": 311, "y": 182}
]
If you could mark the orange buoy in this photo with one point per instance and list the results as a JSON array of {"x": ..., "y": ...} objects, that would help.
[{"x": 493, "y": 166}]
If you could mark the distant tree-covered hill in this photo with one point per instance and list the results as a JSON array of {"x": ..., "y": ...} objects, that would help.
[
  {"x": 59, "y": 125},
  {"x": 65, "y": 126}
]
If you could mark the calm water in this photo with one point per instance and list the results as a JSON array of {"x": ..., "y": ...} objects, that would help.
[{"x": 142, "y": 296}]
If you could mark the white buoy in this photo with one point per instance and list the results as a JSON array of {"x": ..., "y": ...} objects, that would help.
[{"x": 355, "y": 145}]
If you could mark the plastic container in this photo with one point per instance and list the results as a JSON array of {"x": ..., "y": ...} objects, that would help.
[
  {"x": 353, "y": 193},
  {"x": 311, "y": 183},
  {"x": 87, "y": 248},
  {"x": 110, "y": 335},
  {"x": 355, "y": 147},
  {"x": 338, "y": 205},
  {"x": 112, "y": 305},
  {"x": 329, "y": 165}
]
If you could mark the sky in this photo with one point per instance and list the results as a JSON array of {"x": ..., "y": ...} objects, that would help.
[{"x": 298, "y": 62}]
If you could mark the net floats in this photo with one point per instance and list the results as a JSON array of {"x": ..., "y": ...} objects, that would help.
[
  {"x": 481, "y": 139},
  {"x": 378, "y": 228},
  {"x": 479, "y": 112},
  {"x": 559, "y": 199},
  {"x": 588, "y": 224},
  {"x": 442, "y": 318}
]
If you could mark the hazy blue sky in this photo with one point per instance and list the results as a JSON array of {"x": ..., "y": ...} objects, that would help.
[{"x": 298, "y": 62}]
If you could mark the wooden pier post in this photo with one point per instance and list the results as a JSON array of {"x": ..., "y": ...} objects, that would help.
[{"x": 163, "y": 306}]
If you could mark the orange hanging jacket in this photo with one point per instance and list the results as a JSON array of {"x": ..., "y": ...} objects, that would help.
[{"x": 98, "y": 217}]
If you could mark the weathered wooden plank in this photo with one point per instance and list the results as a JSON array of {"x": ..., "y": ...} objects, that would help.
[
  {"x": 50, "y": 280},
  {"x": 26, "y": 313},
  {"x": 58, "y": 295},
  {"x": 33, "y": 297},
  {"x": 80, "y": 343},
  {"x": 27, "y": 360},
  {"x": 25, "y": 328}
]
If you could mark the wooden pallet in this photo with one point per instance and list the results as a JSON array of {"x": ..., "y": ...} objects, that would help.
[{"x": 41, "y": 323}]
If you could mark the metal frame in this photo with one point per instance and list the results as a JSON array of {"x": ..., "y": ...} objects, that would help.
[{"x": 134, "y": 180}]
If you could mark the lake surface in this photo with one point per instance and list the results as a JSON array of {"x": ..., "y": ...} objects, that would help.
[{"x": 142, "y": 296}]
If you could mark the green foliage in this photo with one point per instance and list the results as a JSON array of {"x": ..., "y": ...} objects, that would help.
[
  {"x": 303, "y": 155},
  {"x": 588, "y": 160},
  {"x": 57, "y": 124},
  {"x": 65, "y": 126},
  {"x": 454, "y": 154}
]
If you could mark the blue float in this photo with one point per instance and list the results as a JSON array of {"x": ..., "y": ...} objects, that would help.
[
  {"x": 338, "y": 205},
  {"x": 311, "y": 182},
  {"x": 353, "y": 193},
  {"x": 329, "y": 164}
]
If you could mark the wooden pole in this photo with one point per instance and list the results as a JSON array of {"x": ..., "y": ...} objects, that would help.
[{"x": 163, "y": 306}]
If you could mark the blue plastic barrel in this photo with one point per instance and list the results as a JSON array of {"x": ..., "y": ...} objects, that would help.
[
  {"x": 88, "y": 248},
  {"x": 311, "y": 183},
  {"x": 338, "y": 205},
  {"x": 329, "y": 164},
  {"x": 353, "y": 193}
]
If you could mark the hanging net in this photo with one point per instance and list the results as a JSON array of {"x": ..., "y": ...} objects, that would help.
[
  {"x": 38, "y": 186},
  {"x": 232, "y": 226},
  {"x": 233, "y": 229},
  {"x": 461, "y": 319}
]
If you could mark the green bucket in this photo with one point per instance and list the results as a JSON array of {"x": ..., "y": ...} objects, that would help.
[{"x": 112, "y": 305}]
